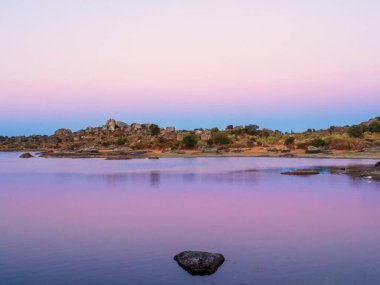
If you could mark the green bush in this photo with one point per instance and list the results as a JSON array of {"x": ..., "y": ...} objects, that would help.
[
  {"x": 318, "y": 142},
  {"x": 120, "y": 142},
  {"x": 189, "y": 141},
  {"x": 289, "y": 140},
  {"x": 374, "y": 127},
  {"x": 221, "y": 139},
  {"x": 356, "y": 131},
  {"x": 154, "y": 130},
  {"x": 251, "y": 130}
]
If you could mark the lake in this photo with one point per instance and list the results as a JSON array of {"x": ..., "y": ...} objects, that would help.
[{"x": 92, "y": 221}]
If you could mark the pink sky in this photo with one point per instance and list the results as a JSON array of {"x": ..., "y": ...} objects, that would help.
[{"x": 80, "y": 62}]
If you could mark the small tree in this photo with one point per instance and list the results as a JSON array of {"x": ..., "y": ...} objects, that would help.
[
  {"x": 355, "y": 131},
  {"x": 120, "y": 142},
  {"x": 154, "y": 130},
  {"x": 221, "y": 139},
  {"x": 289, "y": 140},
  {"x": 374, "y": 127},
  {"x": 189, "y": 141},
  {"x": 318, "y": 142},
  {"x": 251, "y": 129}
]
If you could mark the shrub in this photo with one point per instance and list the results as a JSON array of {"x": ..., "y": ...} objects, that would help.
[
  {"x": 154, "y": 130},
  {"x": 120, "y": 142},
  {"x": 318, "y": 142},
  {"x": 374, "y": 127},
  {"x": 214, "y": 130},
  {"x": 251, "y": 129},
  {"x": 221, "y": 139},
  {"x": 356, "y": 131},
  {"x": 189, "y": 141},
  {"x": 105, "y": 144},
  {"x": 289, "y": 140}
]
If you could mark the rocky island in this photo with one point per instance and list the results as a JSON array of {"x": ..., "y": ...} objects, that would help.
[{"x": 119, "y": 140}]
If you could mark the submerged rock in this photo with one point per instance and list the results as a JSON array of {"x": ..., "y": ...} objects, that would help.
[
  {"x": 26, "y": 155},
  {"x": 199, "y": 262},
  {"x": 301, "y": 172}
]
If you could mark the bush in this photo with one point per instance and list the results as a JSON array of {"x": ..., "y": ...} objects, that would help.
[
  {"x": 374, "y": 127},
  {"x": 105, "y": 144},
  {"x": 221, "y": 139},
  {"x": 120, "y": 142},
  {"x": 189, "y": 141},
  {"x": 251, "y": 130},
  {"x": 154, "y": 130},
  {"x": 356, "y": 131},
  {"x": 289, "y": 140},
  {"x": 318, "y": 142}
]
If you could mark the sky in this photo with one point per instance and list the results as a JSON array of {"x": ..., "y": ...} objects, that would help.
[{"x": 288, "y": 65}]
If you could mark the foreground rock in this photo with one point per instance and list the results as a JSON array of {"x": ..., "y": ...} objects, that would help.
[
  {"x": 301, "y": 172},
  {"x": 26, "y": 155},
  {"x": 199, "y": 262}
]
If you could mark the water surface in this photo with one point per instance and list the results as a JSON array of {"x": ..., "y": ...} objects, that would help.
[{"x": 92, "y": 221}]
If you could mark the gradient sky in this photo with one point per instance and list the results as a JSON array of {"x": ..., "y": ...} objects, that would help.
[{"x": 288, "y": 65}]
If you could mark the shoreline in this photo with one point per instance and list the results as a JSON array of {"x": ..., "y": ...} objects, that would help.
[{"x": 152, "y": 154}]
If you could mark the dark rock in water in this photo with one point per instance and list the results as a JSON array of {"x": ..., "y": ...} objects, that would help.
[
  {"x": 153, "y": 157},
  {"x": 301, "y": 172},
  {"x": 26, "y": 155},
  {"x": 199, "y": 262},
  {"x": 377, "y": 165}
]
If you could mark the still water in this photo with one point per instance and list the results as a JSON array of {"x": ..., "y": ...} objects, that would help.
[{"x": 92, "y": 221}]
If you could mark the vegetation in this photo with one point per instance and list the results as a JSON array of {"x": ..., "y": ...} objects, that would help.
[
  {"x": 221, "y": 139},
  {"x": 289, "y": 141},
  {"x": 356, "y": 131},
  {"x": 154, "y": 130},
  {"x": 189, "y": 141}
]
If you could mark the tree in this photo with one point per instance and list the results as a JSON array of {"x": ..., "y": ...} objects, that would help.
[
  {"x": 189, "y": 141},
  {"x": 374, "y": 127},
  {"x": 289, "y": 140},
  {"x": 356, "y": 131},
  {"x": 120, "y": 142},
  {"x": 251, "y": 129},
  {"x": 318, "y": 142},
  {"x": 221, "y": 139},
  {"x": 154, "y": 130}
]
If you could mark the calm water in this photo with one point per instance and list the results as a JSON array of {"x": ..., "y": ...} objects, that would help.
[{"x": 78, "y": 221}]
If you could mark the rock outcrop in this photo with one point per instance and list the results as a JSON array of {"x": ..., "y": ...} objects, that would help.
[
  {"x": 301, "y": 172},
  {"x": 199, "y": 262}
]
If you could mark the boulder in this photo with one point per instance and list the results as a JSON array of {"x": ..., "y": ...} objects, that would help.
[
  {"x": 111, "y": 125},
  {"x": 206, "y": 136},
  {"x": 63, "y": 133},
  {"x": 26, "y": 155},
  {"x": 199, "y": 262},
  {"x": 377, "y": 166},
  {"x": 312, "y": 149}
]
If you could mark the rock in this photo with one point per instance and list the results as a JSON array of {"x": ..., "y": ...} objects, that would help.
[
  {"x": 206, "y": 136},
  {"x": 301, "y": 172},
  {"x": 63, "y": 133},
  {"x": 111, "y": 125},
  {"x": 313, "y": 149},
  {"x": 26, "y": 155},
  {"x": 272, "y": 149},
  {"x": 377, "y": 166},
  {"x": 199, "y": 262},
  {"x": 285, "y": 149},
  {"x": 170, "y": 129},
  {"x": 372, "y": 149}
]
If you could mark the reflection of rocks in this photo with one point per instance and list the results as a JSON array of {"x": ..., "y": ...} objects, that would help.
[
  {"x": 301, "y": 172},
  {"x": 26, "y": 155},
  {"x": 199, "y": 262},
  {"x": 359, "y": 171}
]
